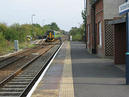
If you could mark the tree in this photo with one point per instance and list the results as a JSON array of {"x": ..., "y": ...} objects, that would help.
[
  {"x": 54, "y": 26},
  {"x": 84, "y": 16},
  {"x": 77, "y": 33},
  {"x": 3, "y": 28}
]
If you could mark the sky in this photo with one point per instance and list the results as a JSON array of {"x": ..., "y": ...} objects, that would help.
[{"x": 66, "y": 13}]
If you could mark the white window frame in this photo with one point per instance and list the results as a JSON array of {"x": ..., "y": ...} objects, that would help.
[{"x": 100, "y": 34}]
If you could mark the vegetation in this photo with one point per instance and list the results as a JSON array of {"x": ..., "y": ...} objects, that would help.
[
  {"x": 77, "y": 33},
  {"x": 84, "y": 16},
  {"x": 52, "y": 26},
  {"x": 20, "y": 32}
]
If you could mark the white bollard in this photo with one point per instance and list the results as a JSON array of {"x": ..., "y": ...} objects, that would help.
[
  {"x": 16, "y": 45},
  {"x": 70, "y": 37}
]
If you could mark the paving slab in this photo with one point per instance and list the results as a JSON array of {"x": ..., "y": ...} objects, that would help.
[
  {"x": 94, "y": 76},
  {"x": 77, "y": 73}
]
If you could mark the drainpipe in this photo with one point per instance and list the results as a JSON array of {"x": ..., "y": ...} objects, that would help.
[{"x": 94, "y": 31}]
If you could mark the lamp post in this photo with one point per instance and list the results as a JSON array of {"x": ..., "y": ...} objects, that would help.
[
  {"x": 32, "y": 23},
  {"x": 43, "y": 22},
  {"x": 127, "y": 53},
  {"x": 84, "y": 4}
]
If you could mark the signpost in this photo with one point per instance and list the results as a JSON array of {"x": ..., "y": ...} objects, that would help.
[{"x": 124, "y": 9}]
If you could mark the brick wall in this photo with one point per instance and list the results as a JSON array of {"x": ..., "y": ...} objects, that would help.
[{"x": 98, "y": 19}]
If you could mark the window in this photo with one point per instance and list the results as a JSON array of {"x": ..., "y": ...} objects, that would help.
[{"x": 100, "y": 34}]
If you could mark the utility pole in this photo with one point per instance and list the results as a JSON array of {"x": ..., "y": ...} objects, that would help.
[
  {"x": 127, "y": 53},
  {"x": 43, "y": 22},
  {"x": 32, "y": 23}
]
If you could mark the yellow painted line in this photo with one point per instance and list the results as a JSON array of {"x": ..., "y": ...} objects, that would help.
[
  {"x": 47, "y": 93},
  {"x": 66, "y": 85}
]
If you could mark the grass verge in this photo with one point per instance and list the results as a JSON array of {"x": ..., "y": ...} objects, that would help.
[{"x": 8, "y": 47}]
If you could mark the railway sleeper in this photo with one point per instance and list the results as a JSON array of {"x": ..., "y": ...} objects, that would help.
[
  {"x": 12, "y": 89},
  {"x": 9, "y": 93},
  {"x": 18, "y": 83},
  {"x": 20, "y": 80},
  {"x": 36, "y": 66},
  {"x": 23, "y": 77},
  {"x": 33, "y": 72},
  {"x": 14, "y": 86},
  {"x": 30, "y": 74},
  {"x": 34, "y": 69}
]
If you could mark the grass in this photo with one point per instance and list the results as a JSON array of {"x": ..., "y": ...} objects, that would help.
[
  {"x": 58, "y": 35},
  {"x": 26, "y": 45},
  {"x": 6, "y": 47},
  {"x": 9, "y": 47}
]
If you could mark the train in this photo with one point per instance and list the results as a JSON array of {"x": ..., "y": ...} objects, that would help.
[{"x": 50, "y": 36}]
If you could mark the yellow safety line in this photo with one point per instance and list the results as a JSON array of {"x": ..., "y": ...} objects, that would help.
[{"x": 66, "y": 85}]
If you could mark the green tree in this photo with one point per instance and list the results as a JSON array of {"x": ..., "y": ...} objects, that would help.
[
  {"x": 54, "y": 26},
  {"x": 2, "y": 42},
  {"x": 77, "y": 33},
  {"x": 38, "y": 30},
  {"x": 84, "y": 16},
  {"x": 3, "y": 28}
]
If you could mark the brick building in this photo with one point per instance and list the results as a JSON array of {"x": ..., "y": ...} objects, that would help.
[{"x": 99, "y": 31}]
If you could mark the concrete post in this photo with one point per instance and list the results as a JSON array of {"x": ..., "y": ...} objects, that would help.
[{"x": 16, "y": 45}]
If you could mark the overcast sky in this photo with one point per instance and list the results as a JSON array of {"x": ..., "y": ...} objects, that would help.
[{"x": 66, "y": 13}]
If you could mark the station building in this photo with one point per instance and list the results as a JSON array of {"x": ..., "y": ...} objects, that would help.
[{"x": 99, "y": 32}]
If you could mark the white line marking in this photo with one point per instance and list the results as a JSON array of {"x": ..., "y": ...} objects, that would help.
[{"x": 42, "y": 75}]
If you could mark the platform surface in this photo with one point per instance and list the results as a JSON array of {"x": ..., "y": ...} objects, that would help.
[{"x": 76, "y": 73}]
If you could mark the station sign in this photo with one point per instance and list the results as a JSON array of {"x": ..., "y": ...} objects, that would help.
[{"x": 124, "y": 8}]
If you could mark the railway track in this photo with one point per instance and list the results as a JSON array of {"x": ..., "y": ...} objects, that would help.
[
  {"x": 18, "y": 56},
  {"x": 19, "y": 83},
  {"x": 9, "y": 67},
  {"x": 41, "y": 42},
  {"x": 13, "y": 55}
]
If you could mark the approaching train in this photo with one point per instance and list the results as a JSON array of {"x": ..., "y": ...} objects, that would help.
[
  {"x": 50, "y": 36},
  {"x": 53, "y": 35}
]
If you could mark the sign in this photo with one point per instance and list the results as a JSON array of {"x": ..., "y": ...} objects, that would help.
[{"x": 124, "y": 8}]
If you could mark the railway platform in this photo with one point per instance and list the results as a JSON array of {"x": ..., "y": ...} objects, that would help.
[{"x": 76, "y": 73}]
